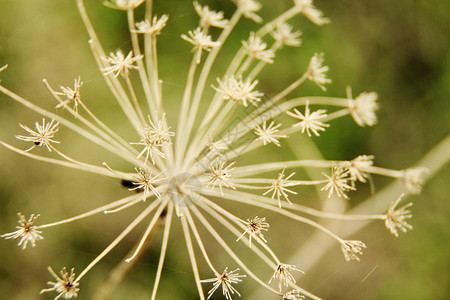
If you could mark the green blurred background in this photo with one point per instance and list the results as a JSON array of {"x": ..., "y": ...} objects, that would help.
[{"x": 399, "y": 49}]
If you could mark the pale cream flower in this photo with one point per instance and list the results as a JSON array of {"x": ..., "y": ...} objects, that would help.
[
  {"x": 356, "y": 167},
  {"x": 220, "y": 175},
  {"x": 64, "y": 285},
  {"x": 413, "y": 179},
  {"x": 153, "y": 136},
  {"x": 293, "y": 295},
  {"x": 396, "y": 218},
  {"x": 201, "y": 41},
  {"x": 42, "y": 136},
  {"x": 256, "y": 49},
  {"x": 72, "y": 95},
  {"x": 248, "y": 9},
  {"x": 123, "y": 4},
  {"x": 286, "y": 37},
  {"x": 268, "y": 134},
  {"x": 144, "y": 181},
  {"x": 315, "y": 15},
  {"x": 310, "y": 121},
  {"x": 225, "y": 280},
  {"x": 363, "y": 108},
  {"x": 236, "y": 89},
  {"x": 254, "y": 228},
  {"x": 119, "y": 64},
  {"x": 338, "y": 182},
  {"x": 351, "y": 249},
  {"x": 316, "y": 72},
  {"x": 27, "y": 231},
  {"x": 279, "y": 187},
  {"x": 209, "y": 17},
  {"x": 282, "y": 273},
  {"x": 153, "y": 28}
]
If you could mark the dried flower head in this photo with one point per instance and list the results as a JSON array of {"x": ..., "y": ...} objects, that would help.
[
  {"x": 72, "y": 95},
  {"x": 351, "y": 249},
  {"x": 396, "y": 218},
  {"x": 27, "y": 231},
  {"x": 413, "y": 179},
  {"x": 119, "y": 63},
  {"x": 209, "y": 17},
  {"x": 201, "y": 41},
  {"x": 286, "y": 37},
  {"x": 220, "y": 175},
  {"x": 357, "y": 168},
  {"x": 338, "y": 182},
  {"x": 153, "y": 137},
  {"x": 310, "y": 121},
  {"x": 154, "y": 28},
  {"x": 225, "y": 280},
  {"x": 123, "y": 4},
  {"x": 256, "y": 49},
  {"x": 248, "y": 9},
  {"x": 283, "y": 275},
  {"x": 42, "y": 136},
  {"x": 254, "y": 228},
  {"x": 268, "y": 134},
  {"x": 279, "y": 187},
  {"x": 293, "y": 295},
  {"x": 363, "y": 108},
  {"x": 236, "y": 89},
  {"x": 315, "y": 15},
  {"x": 144, "y": 180},
  {"x": 64, "y": 285},
  {"x": 316, "y": 72}
]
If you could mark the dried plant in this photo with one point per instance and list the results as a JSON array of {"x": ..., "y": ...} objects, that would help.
[{"x": 186, "y": 172}]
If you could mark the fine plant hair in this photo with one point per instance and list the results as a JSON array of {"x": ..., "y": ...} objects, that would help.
[{"x": 192, "y": 173}]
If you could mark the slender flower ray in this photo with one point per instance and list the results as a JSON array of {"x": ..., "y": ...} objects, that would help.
[
  {"x": 214, "y": 210},
  {"x": 224, "y": 245},
  {"x": 113, "y": 137},
  {"x": 84, "y": 166},
  {"x": 112, "y": 82},
  {"x": 205, "y": 72},
  {"x": 215, "y": 104},
  {"x": 164, "y": 243},
  {"x": 141, "y": 69},
  {"x": 124, "y": 233},
  {"x": 241, "y": 197},
  {"x": 149, "y": 229},
  {"x": 191, "y": 253},
  {"x": 93, "y": 212},
  {"x": 184, "y": 108},
  {"x": 199, "y": 241},
  {"x": 72, "y": 126}
]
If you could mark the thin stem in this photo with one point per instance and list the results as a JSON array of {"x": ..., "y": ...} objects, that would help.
[
  {"x": 247, "y": 198},
  {"x": 112, "y": 82},
  {"x": 199, "y": 241},
  {"x": 72, "y": 126},
  {"x": 92, "y": 212},
  {"x": 149, "y": 229},
  {"x": 182, "y": 136},
  {"x": 191, "y": 253},
  {"x": 230, "y": 252},
  {"x": 113, "y": 137},
  {"x": 164, "y": 243},
  {"x": 213, "y": 208},
  {"x": 84, "y": 167},
  {"x": 124, "y": 233}
]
